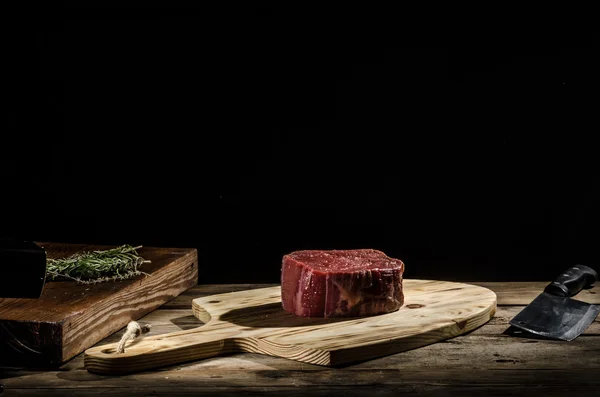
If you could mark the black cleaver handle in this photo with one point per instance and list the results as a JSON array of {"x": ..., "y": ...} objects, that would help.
[{"x": 573, "y": 280}]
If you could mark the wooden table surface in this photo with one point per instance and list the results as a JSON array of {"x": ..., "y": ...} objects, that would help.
[{"x": 484, "y": 362}]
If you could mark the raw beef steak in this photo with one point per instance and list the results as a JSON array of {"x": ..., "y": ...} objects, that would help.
[{"x": 341, "y": 283}]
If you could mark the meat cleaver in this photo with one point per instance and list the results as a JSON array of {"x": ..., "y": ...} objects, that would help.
[{"x": 554, "y": 314}]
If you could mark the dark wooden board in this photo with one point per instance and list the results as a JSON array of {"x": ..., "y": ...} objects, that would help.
[{"x": 69, "y": 317}]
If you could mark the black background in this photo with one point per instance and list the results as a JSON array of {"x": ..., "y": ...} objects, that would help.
[{"x": 248, "y": 132}]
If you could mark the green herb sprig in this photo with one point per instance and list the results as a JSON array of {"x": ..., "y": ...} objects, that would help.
[{"x": 94, "y": 267}]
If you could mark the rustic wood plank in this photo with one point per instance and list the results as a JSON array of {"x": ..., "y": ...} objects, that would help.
[
  {"x": 70, "y": 317},
  {"x": 428, "y": 381},
  {"x": 184, "y": 300},
  {"x": 472, "y": 352},
  {"x": 254, "y": 321},
  {"x": 370, "y": 390},
  {"x": 468, "y": 354},
  {"x": 508, "y": 293},
  {"x": 499, "y": 323},
  {"x": 522, "y": 293}
]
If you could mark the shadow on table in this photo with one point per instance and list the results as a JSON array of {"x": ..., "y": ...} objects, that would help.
[{"x": 187, "y": 322}]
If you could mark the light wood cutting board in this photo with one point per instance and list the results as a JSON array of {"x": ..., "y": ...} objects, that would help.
[{"x": 253, "y": 321}]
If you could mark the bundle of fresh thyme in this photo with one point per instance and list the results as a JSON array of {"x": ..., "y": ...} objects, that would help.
[{"x": 93, "y": 267}]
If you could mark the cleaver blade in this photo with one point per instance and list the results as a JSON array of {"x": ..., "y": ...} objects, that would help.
[{"x": 554, "y": 314}]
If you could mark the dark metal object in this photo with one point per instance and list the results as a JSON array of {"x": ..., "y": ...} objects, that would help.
[
  {"x": 22, "y": 269},
  {"x": 554, "y": 314}
]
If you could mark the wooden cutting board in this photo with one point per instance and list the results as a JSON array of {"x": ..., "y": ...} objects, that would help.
[
  {"x": 69, "y": 318},
  {"x": 253, "y": 321}
]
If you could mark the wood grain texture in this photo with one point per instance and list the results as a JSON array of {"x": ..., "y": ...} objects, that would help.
[
  {"x": 428, "y": 382},
  {"x": 484, "y": 362},
  {"x": 508, "y": 293},
  {"x": 70, "y": 317},
  {"x": 253, "y": 321},
  {"x": 172, "y": 320},
  {"x": 523, "y": 292}
]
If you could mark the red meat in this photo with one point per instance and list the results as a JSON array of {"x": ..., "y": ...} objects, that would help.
[{"x": 341, "y": 283}]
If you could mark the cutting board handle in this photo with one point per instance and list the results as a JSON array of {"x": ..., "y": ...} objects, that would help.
[{"x": 160, "y": 350}]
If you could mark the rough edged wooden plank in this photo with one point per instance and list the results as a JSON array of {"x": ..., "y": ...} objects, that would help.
[
  {"x": 523, "y": 292},
  {"x": 504, "y": 314},
  {"x": 367, "y": 390},
  {"x": 329, "y": 382},
  {"x": 70, "y": 317},
  {"x": 509, "y": 293},
  {"x": 184, "y": 301}
]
